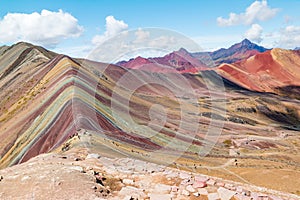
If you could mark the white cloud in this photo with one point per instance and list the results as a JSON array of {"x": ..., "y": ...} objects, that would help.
[
  {"x": 254, "y": 33},
  {"x": 163, "y": 41},
  {"x": 146, "y": 42},
  {"x": 290, "y": 37},
  {"x": 257, "y": 11},
  {"x": 45, "y": 28},
  {"x": 141, "y": 35},
  {"x": 113, "y": 27}
]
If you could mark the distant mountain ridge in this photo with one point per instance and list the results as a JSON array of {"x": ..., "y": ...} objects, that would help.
[
  {"x": 236, "y": 52},
  {"x": 185, "y": 62},
  {"x": 178, "y": 61},
  {"x": 246, "y": 64}
]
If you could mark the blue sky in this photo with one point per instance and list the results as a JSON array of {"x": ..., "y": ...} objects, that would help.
[{"x": 75, "y": 26}]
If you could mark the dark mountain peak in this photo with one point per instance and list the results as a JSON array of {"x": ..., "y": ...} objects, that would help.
[
  {"x": 182, "y": 50},
  {"x": 236, "y": 52},
  {"x": 246, "y": 42},
  {"x": 247, "y": 45}
]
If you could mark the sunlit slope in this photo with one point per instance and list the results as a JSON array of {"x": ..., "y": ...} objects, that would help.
[{"x": 265, "y": 72}]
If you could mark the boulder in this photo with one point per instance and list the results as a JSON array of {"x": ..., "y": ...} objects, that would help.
[
  {"x": 220, "y": 184},
  {"x": 174, "y": 189},
  {"x": 190, "y": 188},
  {"x": 211, "y": 182},
  {"x": 201, "y": 178},
  {"x": 153, "y": 196},
  {"x": 184, "y": 175},
  {"x": 213, "y": 196},
  {"x": 203, "y": 191},
  {"x": 196, "y": 194},
  {"x": 128, "y": 181},
  {"x": 162, "y": 189},
  {"x": 93, "y": 155},
  {"x": 225, "y": 194},
  {"x": 185, "y": 193},
  {"x": 132, "y": 192},
  {"x": 199, "y": 184}
]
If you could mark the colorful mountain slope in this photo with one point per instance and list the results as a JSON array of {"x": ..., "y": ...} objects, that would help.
[
  {"x": 45, "y": 100},
  {"x": 266, "y": 71}
]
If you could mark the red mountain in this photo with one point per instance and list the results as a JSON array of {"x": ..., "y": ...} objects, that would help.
[
  {"x": 265, "y": 72},
  {"x": 177, "y": 61}
]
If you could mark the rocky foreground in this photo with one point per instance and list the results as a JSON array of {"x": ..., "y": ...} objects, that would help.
[{"x": 80, "y": 174}]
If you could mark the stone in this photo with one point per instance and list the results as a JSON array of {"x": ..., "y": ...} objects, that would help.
[
  {"x": 94, "y": 187},
  {"x": 93, "y": 155},
  {"x": 185, "y": 193},
  {"x": 202, "y": 191},
  {"x": 196, "y": 194},
  {"x": 184, "y": 175},
  {"x": 213, "y": 196},
  {"x": 128, "y": 197},
  {"x": 187, "y": 182},
  {"x": 160, "y": 196},
  {"x": 225, "y": 194},
  {"x": 233, "y": 152},
  {"x": 76, "y": 168},
  {"x": 211, "y": 182},
  {"x": 143, "y": 183},
  {"x": 239, "y": 189},
  {"x": 201, "y": 178},
  {"x": 132, "y": 192},
  {"x": 220, "y": 184},
  {"x": 199, "y": 184},
  {"x": 230, "y": 186},
  {"x": 128, "y": 181},
  {"x": 162, "y": 188},
  {"x": 242, "y": 197},
  {"x": 174, "y": 189},
  {"x": 190, "y": 188}
]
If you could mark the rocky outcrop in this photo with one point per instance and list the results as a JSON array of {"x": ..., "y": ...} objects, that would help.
[{"x": 78, "y": 174}]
